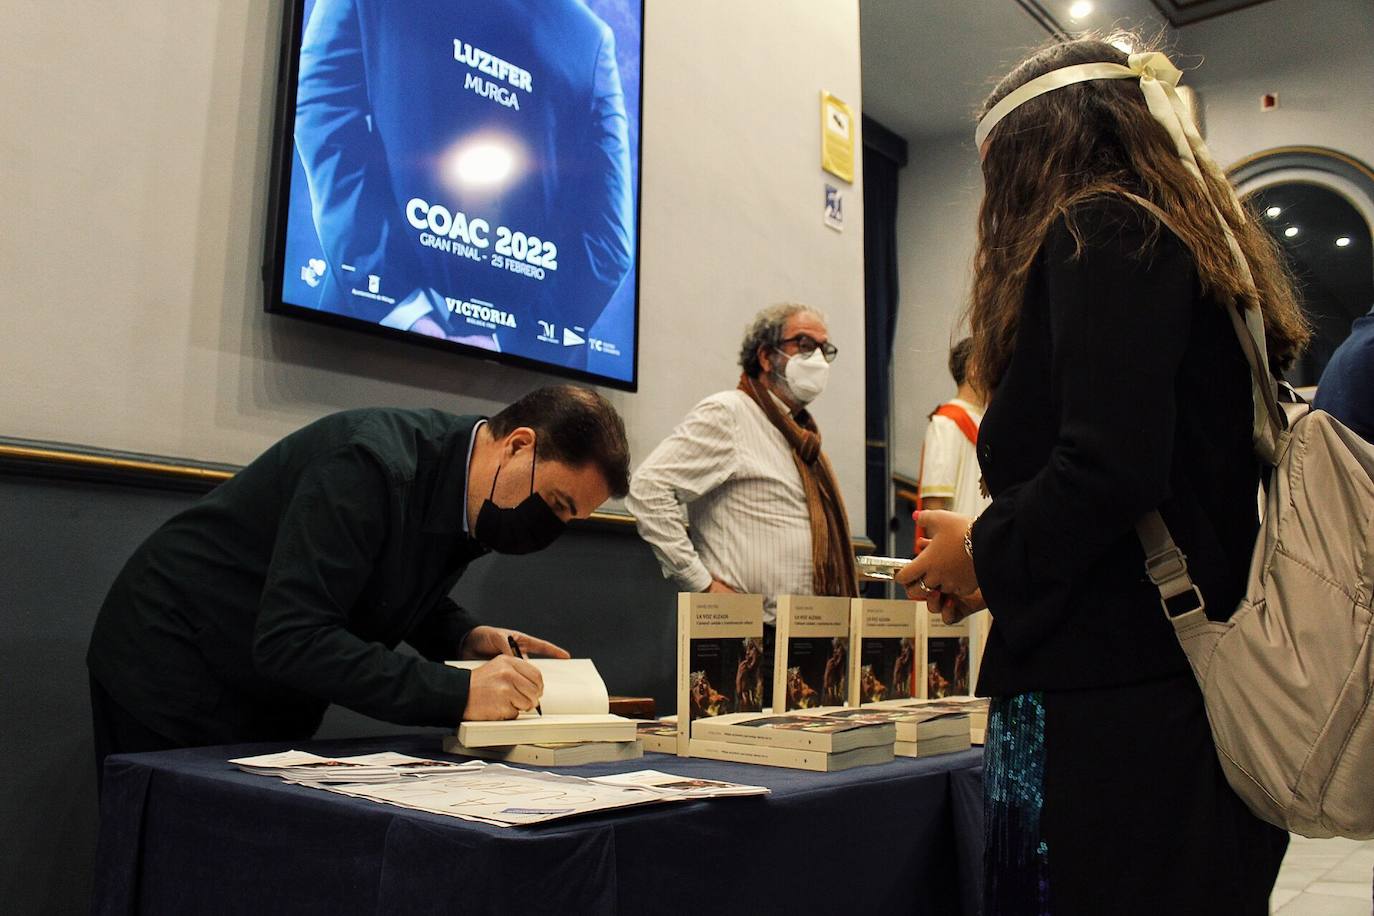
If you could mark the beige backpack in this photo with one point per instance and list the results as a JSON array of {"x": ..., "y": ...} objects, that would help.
[{"x": 1288, "y": 680}]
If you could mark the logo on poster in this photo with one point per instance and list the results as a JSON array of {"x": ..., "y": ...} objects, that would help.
[
  {"x": 480, "y": 313},
  {"x": 313, "y": 272}
]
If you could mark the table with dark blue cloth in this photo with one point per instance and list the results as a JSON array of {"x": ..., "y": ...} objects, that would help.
[{"x": 185, "y": 832}]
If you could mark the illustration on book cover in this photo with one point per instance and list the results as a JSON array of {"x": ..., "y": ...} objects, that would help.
[{"x": 726, "y": 676}]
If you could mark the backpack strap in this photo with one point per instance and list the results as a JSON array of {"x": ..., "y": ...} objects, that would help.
[
  {"x": 1165, "y": 563},
  {"x": 1271, "y": 432},
  {"x": 1167, "y": 567}
]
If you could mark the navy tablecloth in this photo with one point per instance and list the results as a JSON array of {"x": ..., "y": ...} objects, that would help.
[{"x": 185, "y": 832}]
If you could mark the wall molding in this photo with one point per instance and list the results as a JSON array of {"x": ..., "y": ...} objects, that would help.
[{"x": 65, "y": 461}]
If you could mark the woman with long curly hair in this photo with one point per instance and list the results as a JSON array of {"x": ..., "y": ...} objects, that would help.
[{"x": 1110, "y": 249}]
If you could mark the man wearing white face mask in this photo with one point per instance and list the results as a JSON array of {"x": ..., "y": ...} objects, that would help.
[{"x": 763, "y": 512}]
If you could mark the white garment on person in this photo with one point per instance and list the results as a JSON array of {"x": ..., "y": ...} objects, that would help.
[
  {"x": 732, "y": 472},
  {"x": 950, "y": 463}
]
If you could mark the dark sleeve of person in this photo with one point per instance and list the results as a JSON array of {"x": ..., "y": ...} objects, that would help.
[
  {"x": 327, "y": 544},
  {"x": 1346, "y": 388},
  {"x": 441, "y": 632},
  {"x": 1119, "y": 323}
]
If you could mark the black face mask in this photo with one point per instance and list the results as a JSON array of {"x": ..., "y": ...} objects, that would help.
[{"x": 525, "y": 528}]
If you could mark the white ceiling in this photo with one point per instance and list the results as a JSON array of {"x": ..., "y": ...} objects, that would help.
[{"x": 928, "y": 64}]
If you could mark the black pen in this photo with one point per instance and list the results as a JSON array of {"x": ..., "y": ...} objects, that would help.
[{"x": 515, "y": 647}]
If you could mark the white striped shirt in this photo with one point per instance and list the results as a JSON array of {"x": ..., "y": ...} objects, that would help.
[{"x": 733, "y": 473}]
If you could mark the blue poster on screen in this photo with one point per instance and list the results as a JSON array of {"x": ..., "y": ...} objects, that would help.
[{"x": 469, "y": 170}]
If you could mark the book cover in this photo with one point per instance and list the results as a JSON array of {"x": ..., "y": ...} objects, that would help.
[
  {"x": 720, "y": 658},
  {"x": 978, "y": 625},
  {"x": 948, "y": 659},
  {"x": 812, "y": 664},
  {"x": 885, "y": 649}
]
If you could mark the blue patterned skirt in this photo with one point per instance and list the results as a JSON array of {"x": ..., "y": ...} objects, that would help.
[{"x": 1016, "y": 861}]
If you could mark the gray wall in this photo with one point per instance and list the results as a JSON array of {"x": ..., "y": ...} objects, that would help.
[{"x": 57, "y": 565}]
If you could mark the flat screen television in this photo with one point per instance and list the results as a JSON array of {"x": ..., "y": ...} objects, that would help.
[{"x": 463, "y": 175}]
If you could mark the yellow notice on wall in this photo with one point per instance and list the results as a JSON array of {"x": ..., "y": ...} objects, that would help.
[{"x": 837, "y": 137}]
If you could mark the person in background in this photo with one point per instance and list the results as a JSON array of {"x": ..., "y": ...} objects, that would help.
[
  {"x": 950, "y": 475},
  {"x": 745, "y": 468},
  {"x": 1346, "y": 389},
  {"x": 1117, "y": 386},
  {"x": 289, "y": 586}
]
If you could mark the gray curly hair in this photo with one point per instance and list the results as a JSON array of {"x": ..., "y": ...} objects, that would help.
[{"x": 766, "y": 331}]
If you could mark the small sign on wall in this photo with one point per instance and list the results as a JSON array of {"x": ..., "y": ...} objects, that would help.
[
  {"x": 834, "y": 207},
  {"x": 837, "y": 137}
]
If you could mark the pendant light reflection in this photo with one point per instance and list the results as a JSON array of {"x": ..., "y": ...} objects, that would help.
[{"x": 485, "y": 164}]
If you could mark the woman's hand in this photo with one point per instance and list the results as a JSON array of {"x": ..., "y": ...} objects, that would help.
[
  {"x": 941, "y": 565},
  {"x": 954, "y": 608}
]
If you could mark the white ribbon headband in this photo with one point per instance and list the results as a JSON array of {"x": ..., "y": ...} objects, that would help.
[{"x": 1158, "y": 77}]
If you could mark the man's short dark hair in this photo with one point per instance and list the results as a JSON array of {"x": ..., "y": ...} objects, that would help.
[
  {"x": 958, "y": 359},
  {"x": 766, "y": 331},
  {"x": 574, "y": 426}
]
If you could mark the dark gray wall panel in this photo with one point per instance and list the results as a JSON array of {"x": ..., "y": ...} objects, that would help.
[{"x": 597, "y": 591}]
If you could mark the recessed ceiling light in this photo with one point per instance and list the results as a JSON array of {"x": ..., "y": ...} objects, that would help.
[
  {"x": 1343, "y": 242},
  {"x": 1273, "y": 212},
  {"x": 1080, "y": 9},
  {"x": 1291, "y": 231}
]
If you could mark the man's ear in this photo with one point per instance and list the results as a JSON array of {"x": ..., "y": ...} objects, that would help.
[
  {"x": 764, "y": 360},
  {"x": 517, "y": 440}
]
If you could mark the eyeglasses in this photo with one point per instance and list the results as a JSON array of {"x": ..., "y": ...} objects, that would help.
[{"x": 806, "y": 345}]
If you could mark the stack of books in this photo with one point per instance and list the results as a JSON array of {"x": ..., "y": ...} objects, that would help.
[
  {"x": 923, "y": 729},
  {"x": 573, "y": 727},
  {"x": 802, "y": 740},
  {"x": 976, "y": 708},
  {"x": 659, "y": 736}
]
